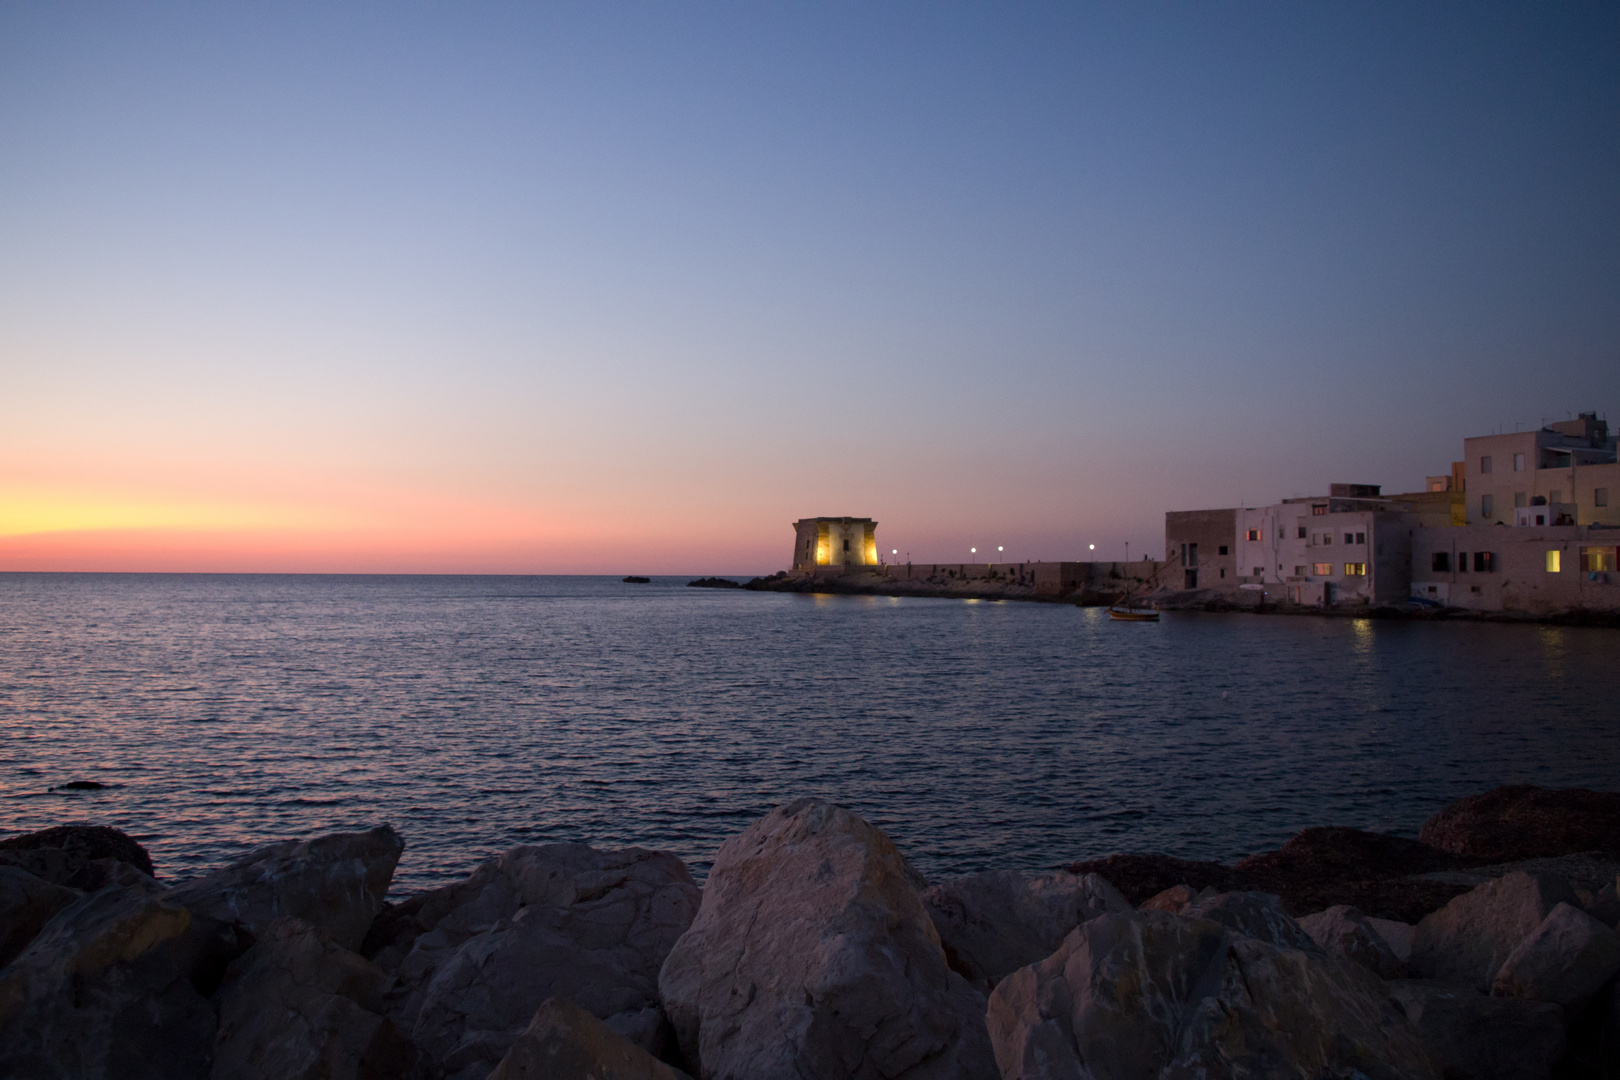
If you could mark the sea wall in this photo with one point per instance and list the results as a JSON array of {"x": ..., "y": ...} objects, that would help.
[
  {"x": 1070, "y": 582},
  {"x": 1488, "y": 946}
]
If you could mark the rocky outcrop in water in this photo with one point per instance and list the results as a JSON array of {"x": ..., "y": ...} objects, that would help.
[
  {"x": 814, "y": 950},
  {"x": 1524, "y": 822}
]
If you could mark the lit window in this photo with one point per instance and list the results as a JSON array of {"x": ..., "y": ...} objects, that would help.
[
  {"x": 1319, "y": 510},
  {"x": 1485, "y": 464},
  {"x": 1518, "y": 463},
  {"x": 1355, "y": 569},
  {"x": 1323, "y": 569},
  {"x": 1597, "y": 559},
  {"x": 1600, "y": 496},
  {"x": 1254, "y": 534},
  {"x": 1487, "y": 506},
  {"x": 1554, "y": 561}
]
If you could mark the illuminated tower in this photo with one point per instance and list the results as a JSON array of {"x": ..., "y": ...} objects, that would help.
[{"x": 834, "y": 541}]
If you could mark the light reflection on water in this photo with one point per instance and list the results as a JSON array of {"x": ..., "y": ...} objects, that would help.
[{"x": 479, "y": 712}]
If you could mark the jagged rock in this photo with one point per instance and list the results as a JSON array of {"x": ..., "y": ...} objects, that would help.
[
  {"x": 1565, "y": 960},
  {"x": 1151, "y": 994},
  {"x": 1524, "y": 822},
  {"x": 57, "y": 853},
  {"x": 1175, "y": 900},
  {"x": 994, "y": 923},
  {"x": 1397, "y": 935},
  {"x": 1604, "y": 904},
  {"x": 1344, "y": 932},
  {"x": 335, "y": 883},
  {"x": 26, "y": 904},
  {"x": 564, "y": 1042},
  {"x": 554, "y": 920},
  {"x": 296, "y": 1006},
  {"x": 1139, "y": 877},
  {"x": 813, "y": 956},
  {"x": 115, "y": 985},
  {"x": 1467, "y": 940},
  {"x": 1474, "y": 1037},
  {"x": 1257, "y": 915}
]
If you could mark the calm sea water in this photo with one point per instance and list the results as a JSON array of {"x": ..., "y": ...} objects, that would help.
[{"x": 478, "y": 712}]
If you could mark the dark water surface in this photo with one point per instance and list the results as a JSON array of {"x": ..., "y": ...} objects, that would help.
[{"x": 478, "y": 712}]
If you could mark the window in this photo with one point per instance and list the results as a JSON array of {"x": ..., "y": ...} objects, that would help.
[
  {"x": 1223, "y": 573},
  {"x": 1440, "y": 562},
  {"x": 1323, "y": 569},
  {"x": 1299, "y": 571},
  {"x": 1484, "y": 562},
  {"x": 1487, "y": 506},
  {"x": 1254, "y": 534},
  {"x": 1597, "y": 559},
  {"x": 1192, "y": 554},
  {"x": 1327, "y": 538},
  {"x": 1462, "y": 562},
  {"x": 1485, "y": 464},
  {"x": 1190, "y": 579},
  {"x": 1355, "y": 569},
  {"x": 1541, "y": 519},
  {"x": 1221, "y": 549},
  {"x": 846, "y": 545},
  {"x": 1554, "y": 561},
  {"x": 1349, "y": 538},
  {"x": 1361, "y": 538},
  {"x": 1320, "y": 509},
  {"x": 1259, "y": 571},
  {"x": 1600, "y": 496},
  {"x": 1302, "y": 532},
  {"x": 1518, "y": 463}
]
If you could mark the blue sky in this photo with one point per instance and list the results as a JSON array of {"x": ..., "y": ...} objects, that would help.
[{"x": 563, "y": 287}]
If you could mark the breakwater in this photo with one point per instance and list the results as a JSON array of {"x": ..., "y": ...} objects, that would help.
[{"x": 1086, "y": 583}]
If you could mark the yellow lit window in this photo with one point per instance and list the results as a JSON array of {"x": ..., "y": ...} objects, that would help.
[
  {"x": 1554, "y": 561},
  {"x": 1355, "y": 569},
  {"x": 1323, "y": 569},
  {"x": 1597, "y": 559},
  {"x": 1254, "y": 534}
]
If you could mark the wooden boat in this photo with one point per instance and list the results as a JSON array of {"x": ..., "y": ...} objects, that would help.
[{"x": 1133, "y": 614}]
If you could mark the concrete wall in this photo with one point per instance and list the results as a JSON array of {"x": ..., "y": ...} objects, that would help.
[
  {"x": 1519, "y": 578},
  {"x": 1047, "y": 578}
]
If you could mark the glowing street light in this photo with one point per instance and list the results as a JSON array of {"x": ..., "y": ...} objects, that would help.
[{"x": 1093, "y": 547}]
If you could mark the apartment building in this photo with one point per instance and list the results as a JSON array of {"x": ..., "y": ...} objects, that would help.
[
  {"x": 1351, "y": 547},
  {"x": 1536, "y": 569},
  {"x": 1568, "y": 470}
]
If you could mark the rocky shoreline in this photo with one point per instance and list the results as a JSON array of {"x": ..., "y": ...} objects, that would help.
[{"x": 1489, "y": 947}]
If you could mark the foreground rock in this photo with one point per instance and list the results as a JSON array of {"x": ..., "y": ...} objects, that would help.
[
  {"x": 1344, "y": 932},
  {"x": 335, "y": 883},
  {"x": 1252, "y": 914},
  {"x": 296, "y": 1006},
  {"x": 1525, "y": 822},
  {"x": 1474, "y": 1037},
  {"x": 994, "y": 923},
  {"x": 26, "y": 905},
  {"x": 476, "y": 959},
  {"x": 115, "y": 985},
  {"x": 1566, "y": 960},
  {"x": 564, "y": 1042},
  {"x": 1468, "y": 940},
  {"x": 58, "y": 853},
  {"x": 1155, "y": 994},
  {"x": 813, "y": 956}
]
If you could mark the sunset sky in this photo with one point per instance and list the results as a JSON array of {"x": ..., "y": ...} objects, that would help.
[{"x": 619, "y": 288}]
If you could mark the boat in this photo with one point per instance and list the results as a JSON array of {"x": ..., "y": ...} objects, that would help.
[{"x": 1133, "y": 614}]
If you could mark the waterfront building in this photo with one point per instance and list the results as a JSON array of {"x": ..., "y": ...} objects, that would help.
[
  {"x": 1570, "y": 465},
  {"x": 1198, "y": 548},
  {"x": 834, "y": 541},
  {"x": 1536, "y": 569}
]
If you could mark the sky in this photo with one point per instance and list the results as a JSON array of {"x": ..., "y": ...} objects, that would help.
[{"x": 628, "y": 288}]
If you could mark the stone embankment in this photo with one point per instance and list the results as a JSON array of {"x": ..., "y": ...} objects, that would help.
[
  {"x": 1099, "y": 587},
  {"x": 1489, "y": 948}
]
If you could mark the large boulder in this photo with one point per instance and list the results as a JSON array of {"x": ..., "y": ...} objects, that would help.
[
  {"x": 58, "y": 853},
  {"x": 564, "y": 1042},
  {"x": 115, "y": 985},
  {"x": 1152, "y": 994},
  {"x": 335, "y": 883},
  {"x": 1524, "y": 822},
  {"x": 1139, "y": 877},
  {"x": 1344, "y": 932},
  {"x": 813, "y": 956},
  {"x": 296, "y": 1006},
  {"x": 1565, "y": 960},
  {"x": 1467, "y": 940},
  {"x": 1252, "y": 914},
  {"x": 994, "y": 923},
  {"x": 1474, "y": 1037},
  {"x": 554, "y": 920},
  {"x": 26, "y": 905}
]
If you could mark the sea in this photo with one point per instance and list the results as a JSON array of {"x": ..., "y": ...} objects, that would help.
[{"x": 223, "y": 712}]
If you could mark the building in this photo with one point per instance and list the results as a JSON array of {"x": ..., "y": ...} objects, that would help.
[
  {"x": 1198, "y": 549},
  {"x": 834, "y": 541},
  {"x": 1536, "y": 569},
  {"x": 1351, "y": 547},
  {"x": 1569, "y": 465}
]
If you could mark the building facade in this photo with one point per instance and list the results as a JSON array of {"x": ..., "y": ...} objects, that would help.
[
  {"x": 834, "y": 541},
  {"x": 1571, "y": 465},
  {"x": 1198, "y": 547},
  {"x": 1535, "y": 569}
]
